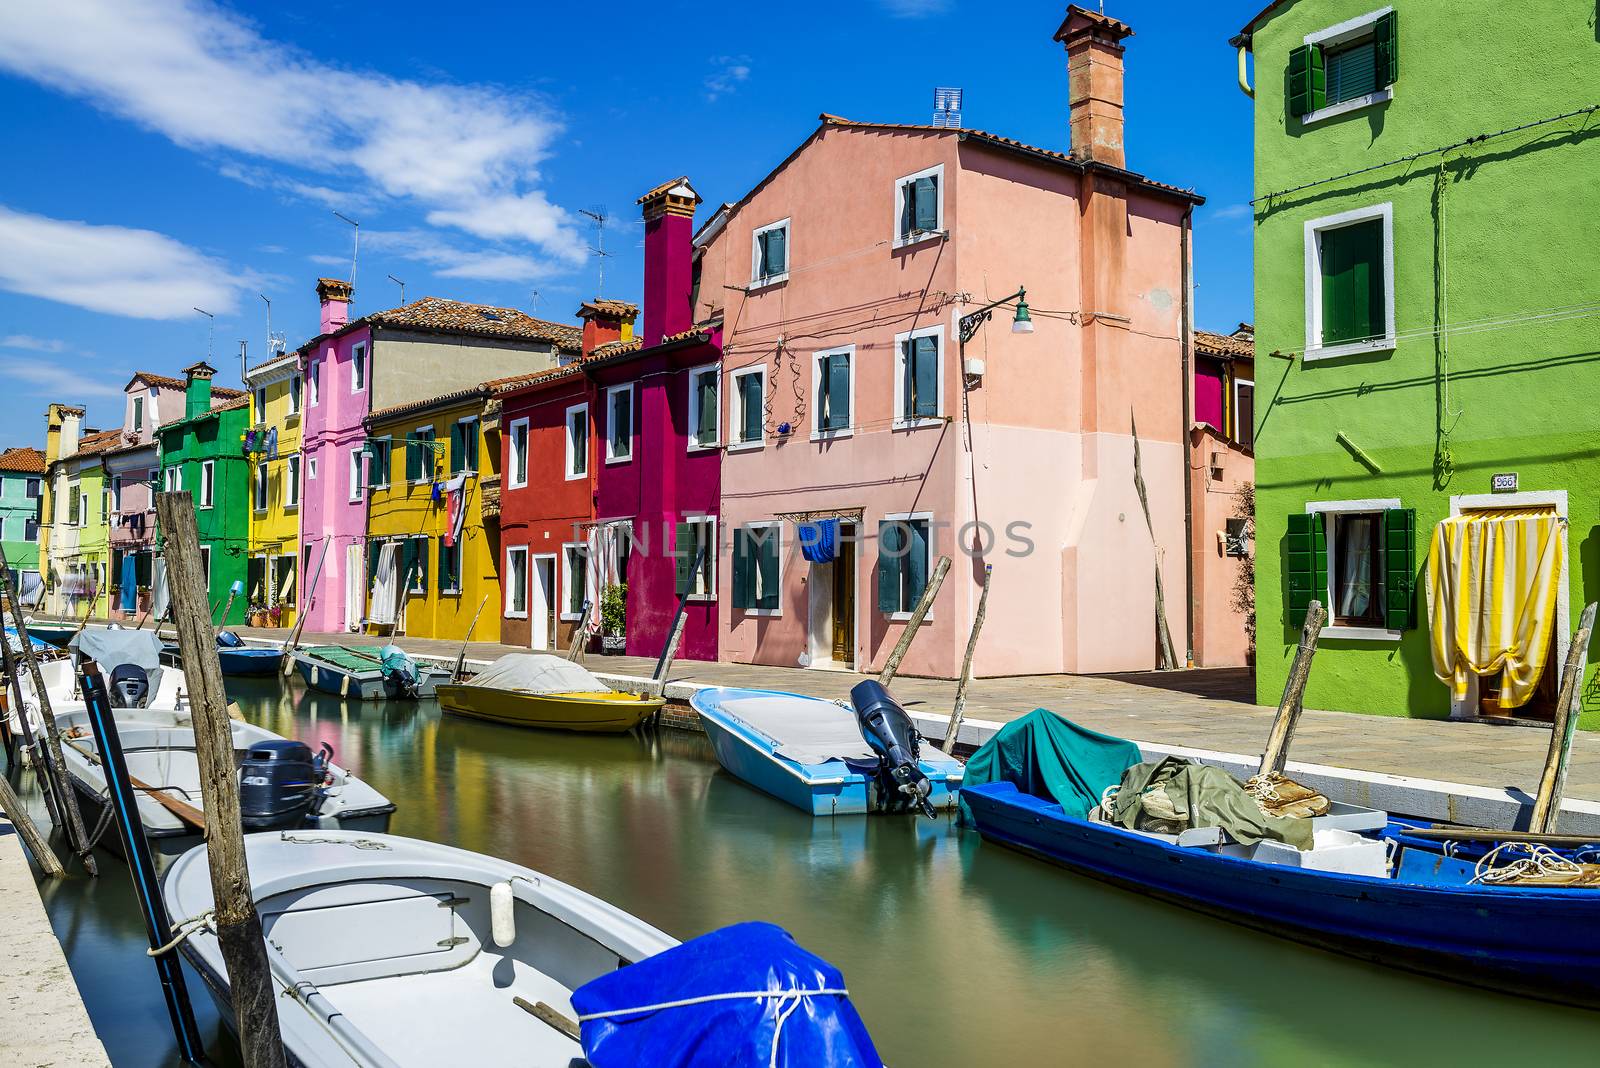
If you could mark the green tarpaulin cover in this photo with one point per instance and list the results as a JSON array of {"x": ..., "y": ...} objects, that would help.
[
  {"x": 1170, "y": 795},
  {"x": 1051, "y": 757}
]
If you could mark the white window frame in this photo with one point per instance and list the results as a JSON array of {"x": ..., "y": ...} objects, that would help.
[
  {"x": 1237, "y": 382},
  {"x": 311, "y": 468},
  {"x": 260, "y": 398},
  {"x": 512, "y": 450},
  {"x": 358, "y": 471},
  {"x": 172, "y": 479},
  {"x": 428, "y": 447},
  {"x": 477, "y": 446},
  {"x": 938, "y": 232},
  {"x": 511, "y": 611},
  {"x": 291, "y": 479},
  {"x": 768, "y": 613},
  {"x": 358, "y": 367},
  {"x": 633, "y": 417},
  {"x": 566, "y": 434},
  {"x": 710, "y": 593},
  {"x": 460, "y": 579},
  {"x": 756, "y": 281},
  {"x": 25, "y": 521},
  {"x": 1344, "y": 33},
  {"x": 565, "y": 592},
  {"x": 1314, "y": 230},
  {"x": 116, "y": 493},
  {"x": 907, "y": 517},
  {"x": 1331, "y": 508},
  {"x": 313, "y": 383},
  {"x": 693, "y": 420},
  {"x": 849, "y": 429},
  {"x": 901, "y": 421},
  {"x": 33, "y": 489},
  {"x": 296, "y": 385},
  {"x": 736, "y": 408},
  {"x": 208, "y": 485},
  {"x": 260, "y": 489}
]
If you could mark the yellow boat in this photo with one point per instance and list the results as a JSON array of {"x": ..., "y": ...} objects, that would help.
[{"x": 539, "y": 690}]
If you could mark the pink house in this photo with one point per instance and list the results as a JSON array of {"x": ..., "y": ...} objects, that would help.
[{"x": 859, "y": 445}]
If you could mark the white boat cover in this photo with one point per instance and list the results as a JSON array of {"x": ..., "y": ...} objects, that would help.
[
  {"x": 111, "y": 648},
  {"x": 807, "y": 730},
  {"x": 538, "y": 673}
]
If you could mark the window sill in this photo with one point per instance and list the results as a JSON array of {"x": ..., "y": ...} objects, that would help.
[
  {"x": 758, "y": 284},
  {"x": 695, "y": 446},
  {"x": 703, "y": 598},
  {"x": 516, "y": 485},
  {"x": 516, "y": 615},
  {"x": 1348, "y": 348},
  {"x": 259, "y": 511},
  {"x": 1361, "y": 634},
  {"x": 574, "y": 477},
  {"x": 1344, "y": 107},
  {"x": 919, "y": 238},
  {"x": 449, "y": 593},
  {"x": 615, "y": 461},
  {"x": 920, "y": 422},
  {"x": 747, "y": 446},
  {"x": 763, "y": 613},
  {"x": 905, "y": 617},
  {"x": 833, "y": 435},
  {"x": 566, "y": 617}
]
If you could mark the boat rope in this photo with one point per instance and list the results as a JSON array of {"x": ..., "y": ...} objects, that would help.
[
  {"x": 792, "y": 997},
  {"x": 1101, "y": 813},
  {"x": 185, "y": 928},
  {"x": 1540, "y": 861},
  {"x": 356, "y": 843},
  {"x": 1264, "y": 788}
]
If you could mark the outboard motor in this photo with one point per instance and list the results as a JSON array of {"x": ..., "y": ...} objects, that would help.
[
  {"x": 887, "y": 728},
  {"x": 399, "y": 669},
  {"x": 280, "y": 784},
  {"x": 228, "y": 639},
  {"x": 130, "y": 686}
]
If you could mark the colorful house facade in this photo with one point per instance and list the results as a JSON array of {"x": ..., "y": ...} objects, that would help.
[
  {"x": 858, "y": 445},
  {"x": 277, "y": 483},
  {"x": 1221, "y": 474},
  {"x": 201, "y": 455},
  {"x": 21, "y": 494},
  {"x": 77, "y": 503},
  {"x": 1421, "y": 285},
  {"x": 355, "y": 367}
]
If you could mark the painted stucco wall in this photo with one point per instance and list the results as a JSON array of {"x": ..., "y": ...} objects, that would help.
[
  {"x": 331, "y": 429},
  {"x": 275, "y": 530},
  {"x": 18, "y": 508},
  {"x": 223, "y": 525},
  {"x": 1220, "y": 468},
  {"x": 1500, "y": 229},
  {"x": 414, "y": 366}
]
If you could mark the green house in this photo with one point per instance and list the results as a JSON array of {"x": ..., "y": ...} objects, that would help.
[
  {"x": 21, "y": 489},
  {"x": 1426, "y": 249},
  {"x": 203, "y": 454}
]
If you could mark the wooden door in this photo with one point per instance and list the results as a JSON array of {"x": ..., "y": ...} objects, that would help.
[{"x": 844, "y": 600}]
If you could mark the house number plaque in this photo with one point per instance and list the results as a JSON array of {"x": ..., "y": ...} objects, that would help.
[{"x": 1503, "y": 483}]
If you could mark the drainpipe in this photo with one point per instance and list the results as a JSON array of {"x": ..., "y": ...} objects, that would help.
[
  {"x": 1244, "y": 73},
  {"x": 1186, "y": 335}
]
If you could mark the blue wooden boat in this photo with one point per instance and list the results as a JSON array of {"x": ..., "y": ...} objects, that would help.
[
  {"x": 237, "y": 658},
  {"x": 808, "y": 752},
  {"x": 1426, "y": 916}
]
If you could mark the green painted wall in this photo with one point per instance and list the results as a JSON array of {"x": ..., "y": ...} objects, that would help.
[
  {"x": 17, "y": 508},
  {"x": 1508, "y": 227},
  {"x": 225, "y": 526}
]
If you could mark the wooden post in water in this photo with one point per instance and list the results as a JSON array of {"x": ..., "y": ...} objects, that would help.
[
  {"x": 300, "y": 617},
  {"x": 42, "y": 853},
  {"x": 575, "y": 647},
  {"x": 954, "y": 727},
  {"x": 461, "y": 658},
  {"x": 66, "y": 798},
  {"x": 1553, "y": 783},
  {"x": 669, "y": 651},
  {"x": 227, "y": 609},
  {"x": 29, "y": 739},
  {"x": 891, "y": 667},
  {"x": 1276, "y": 755},
  {"x": 238, "y": 925}
]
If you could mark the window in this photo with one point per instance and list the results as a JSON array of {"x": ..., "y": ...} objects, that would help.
[
  {"x": 705, "y": 412},
  {"x": 904, "y": 544},
  {"x": 756, "y": 571},
  {"x": 205, "y": 563},
  {"x": 414, "y": 564},
  {"x": 138, "y": 414},
  {"x": 419, "y": 455},
  {"x": 577, "y": 436},
  {"x": 30, "y": 529},
  {"x": 619, "y": 424},
  {"x": 1358, "y": 559},
  {"x": 832, "y": 390},
  {"x": 1344, "y": 67},
  {"x": 379, "y": 452},
  {"x": 172, "y": 479},
  {"x": 261, "y": 404},
  {"x": 295, "y": 387},
  {"x": 517, "y": 581},
  {"x": 697, "y": 540},
  {"x": 358, "y": 473},
  {"x": 574, "y": 579},
  {"x": 208, "y": 484},
  {"x": 116, "y": 492},
  {"x": 517, "y": 473},
  {"x": 748, "y": 425},
  {"x": 919, "y": 360},
  {"x": 1244, "y": 412},
  {"x": 358, "y": 368},
  {"x": 464, "y": 445},
  {"x": 769, "y": 254},
  {"x": 449, "y": 567},
  {"x": 33, "y": 488},
  {"x": 918, "y": 206},
  {"x": 311, "y": 467},
  {"x": 259, "y": 497},
  {"x": 313, "y": 382},
  {"x": 1350, "y": 283},
  {"x": 75, "y": 507},
  {"x": 105, "y": 506}
]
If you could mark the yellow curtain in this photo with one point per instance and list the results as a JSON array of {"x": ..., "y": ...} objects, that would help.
[{"x": 1492, "y": 586}]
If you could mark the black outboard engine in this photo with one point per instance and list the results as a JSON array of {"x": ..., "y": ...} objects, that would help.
[
  {"x": 280, "y": 784},
  {"x": 887, "y": 728},
  {"x": 130, "y": 686}
]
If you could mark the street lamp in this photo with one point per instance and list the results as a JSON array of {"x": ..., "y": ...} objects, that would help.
[{"x": 1021, "y": 321}]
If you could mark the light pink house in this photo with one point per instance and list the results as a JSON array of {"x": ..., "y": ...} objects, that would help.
[{"x": 847, "y": 410}]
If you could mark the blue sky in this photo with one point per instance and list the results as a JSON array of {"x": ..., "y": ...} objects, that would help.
[{"x": 166, "y": 155}]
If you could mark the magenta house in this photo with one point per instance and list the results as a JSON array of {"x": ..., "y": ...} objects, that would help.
[{"x": 659, "y": 449}]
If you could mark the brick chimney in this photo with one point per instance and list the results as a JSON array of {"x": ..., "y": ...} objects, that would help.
[
  {"x": 335, "y": 297},
  {"x": 197, "y": 389},
  {"x": 605, "y": 321},
  {"x": 1094, "y": 78},
  {"x": 63, "y": 428},
  {"x": 668, "y": 259}
]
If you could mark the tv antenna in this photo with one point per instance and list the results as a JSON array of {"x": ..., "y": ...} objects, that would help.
[
  {"x": 355, "y": 253},
  {"x": 277, "y": 344},
  {"x": 947, "y": 108},
  {"x": 533, "y": 299},
  {"x": 402, "y": 286},
  {"x": 598, "y": 249},
  {"x": 211, "y": 331}
]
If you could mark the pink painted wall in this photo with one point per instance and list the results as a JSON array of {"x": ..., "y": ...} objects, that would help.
[
  {"x": 332, "y": 427},
  {"x": 1220, "y": 639}
]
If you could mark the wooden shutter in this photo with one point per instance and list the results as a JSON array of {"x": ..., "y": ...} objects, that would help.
[
  {"x": 458, "y": 448},
  {"x": 750, "y": 404},
  {"x": 838, "y": 381},
  {"x": 469, "y": 439},
  {"x": 622, "y": 423},
  {"x": 683, "y": 551},
  {"x": 891, "y": 558},
  {"x": 706, "y": 400},
  {"x": 917, "y": 561},
  {"x": 1386, "y": 50},
  {"x": 767, "y": 563},
  {"x": 743, "y": 574},
  {"x": 927, "y": 201},
  {"x": 372, "y": 562},
  {"x": 1305, "y": 564},
  {"x": 1352, "y": 282},
  {"x": 777, "y": 250},
  {"x": 1244, "y": 415},
  {"x": 1399, "y": 568},
  {"x": 1307, "y": 80},
  {"x": 413, "y": 469},
  {"x": 925, "y": 351},
  {"x": 908, "y": 208},
  {"x": 407, "y": 578}
]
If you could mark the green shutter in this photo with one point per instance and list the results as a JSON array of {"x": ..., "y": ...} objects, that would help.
[
  {"x": 413, "y": 469},
  {"x": 908, "y": 208},
  {"x": 917, "y": 562},
  {"x": 1305, "y": 564},
  {"x": 1386, "y": 50},
  {"x": 751, "y": 407},
  {"x": 743, "y": 573},
  {"x": 706, "y": 399},
  {"x": 408, "y": 565},
  {"x": 1307, "y": 80},
  {"x": 927, "y": 199},
  {"x": 891, "y": 559},
  {"x": 838, "y": 382},
  {"x": 925, "y": 361},
  {"x": 1352, "y": 283},
  {"x": 767, "y": 563},
  {"x": 577, "y": 580},
  {"x": 420, "y": 554},
  {"x": 777, "y": 250},
  {"x": 372, "y": 562},
  {"x": 471, "y": 435},
  {"x": 683, "y": 552},
  {"x": 458, "y": 448},
  {"x": 1399, "y": 568}
]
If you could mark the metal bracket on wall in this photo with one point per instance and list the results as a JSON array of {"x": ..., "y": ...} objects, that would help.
[{"x": 1355, "y": 450}]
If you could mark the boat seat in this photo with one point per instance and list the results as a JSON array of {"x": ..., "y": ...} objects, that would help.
[{"x": 354, "y": 932}]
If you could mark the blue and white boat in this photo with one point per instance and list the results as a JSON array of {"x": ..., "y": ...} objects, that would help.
[
  {"x": 237, "y": 658},
  {"x": 813, "y": 754}
]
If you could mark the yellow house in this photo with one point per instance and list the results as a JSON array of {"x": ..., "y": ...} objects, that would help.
[
  {"x": 424, "y": 460},
  {"x": 273, "y": 572}
]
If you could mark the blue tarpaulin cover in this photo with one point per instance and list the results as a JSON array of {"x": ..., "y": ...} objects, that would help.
[
  {"x": 1049, "y": 756},
  {"x": 819, "y": 541},
  {"x": 633, "y": 1016}
]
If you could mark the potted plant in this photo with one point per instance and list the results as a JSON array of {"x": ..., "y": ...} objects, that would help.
[
  {"x": 274, "y": 614},
  {"x": 613, "y": 618},
  {"x": 258, "y": 614}
]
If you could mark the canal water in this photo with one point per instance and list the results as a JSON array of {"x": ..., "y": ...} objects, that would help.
[{"x": 955, "y": 952}]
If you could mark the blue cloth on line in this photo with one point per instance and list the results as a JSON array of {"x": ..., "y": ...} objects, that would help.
[{"x": 819, "y": 541}]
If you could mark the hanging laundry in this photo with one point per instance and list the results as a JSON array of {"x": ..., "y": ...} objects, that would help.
[
  {"x": 272, "y": 443},
  {"x": 456, "y": 509},
  {"x": 819, "y": 540}
]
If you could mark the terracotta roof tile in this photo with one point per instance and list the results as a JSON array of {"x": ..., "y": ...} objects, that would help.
[
  {"x": 1223, "y": 345},
  {"x": 682, "y": 179},
  {"x": 486, "y": 320},
  {"x": 94, "y": 444},
  {"x": 25, "y": 460},
  {"x": 168, "y": 382},
  {"x": 620, "y": 309}
]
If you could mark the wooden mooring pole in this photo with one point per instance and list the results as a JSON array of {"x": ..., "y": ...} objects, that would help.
[
  {"x": 300, "y": 617},
  {"x": 954, "y": 727},
  {"x": 30, "y": 741},
  {"x": 891, "y": 667},
  {"x": 669, "y": 651},
  {"x": 1553, "y": 783},
  {"x": 461, "y": 658},
  {"x": 238, "y": 925},
  {"x": 1276, "y": 755},
  {"x": 43, "y": 855}
]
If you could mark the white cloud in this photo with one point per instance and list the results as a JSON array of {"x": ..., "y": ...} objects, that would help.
[
  {"x": 726, "y": 74},
  {"x": 1233, "y": 211},
  {"x": 206, "y": 78},
  {"x": 110, "y": 269},
  {"x": 451, "y": 261},
  {"x": 60, "y": 383},
  {"x": 914, "y": 9},
  {"x": 32, "y": 344}
]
